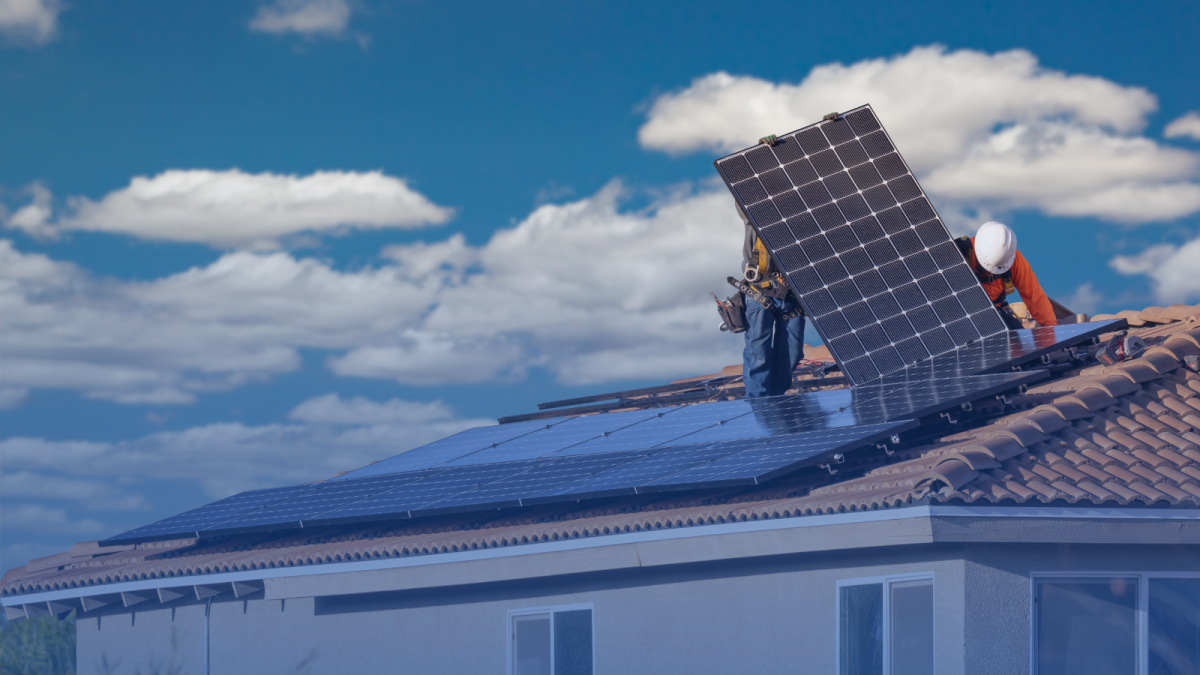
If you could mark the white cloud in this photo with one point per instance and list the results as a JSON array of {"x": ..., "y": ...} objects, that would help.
[
  {"x": 586, "y": 290},
  {"x": 34, "y": 217},
  {"x": 983, "y": 132},
  {"x": 1174, "y": 271},
  {"x": 309, "y": 18},
  {"x": 331, "y": 409},
  {"x": 224, "y": 459},
  {"x": 91, "y": 493},
  {"x": 29, "y": 21},
  {"x": 40, "y": 519},
  {"x": 1187, "y": 126},
  {"x": 1085, "y": 300},
  {"x": 11, "y": 397},
  {"x": 233, "y": 209}
]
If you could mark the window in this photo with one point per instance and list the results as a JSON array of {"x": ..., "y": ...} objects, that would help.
[
  {"x": 1119, "y": 623},
  {"x": 885, "y": 626},
  {"x": 551, "y": 641}
]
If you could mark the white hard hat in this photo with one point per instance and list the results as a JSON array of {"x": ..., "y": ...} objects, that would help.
[{"x": 995, "y": 247}]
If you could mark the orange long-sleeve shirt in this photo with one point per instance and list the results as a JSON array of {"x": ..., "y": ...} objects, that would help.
[{"x": 1026, "y": 283}]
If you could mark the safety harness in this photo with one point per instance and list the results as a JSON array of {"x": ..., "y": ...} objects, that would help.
[{"x": 968, "y": 252}]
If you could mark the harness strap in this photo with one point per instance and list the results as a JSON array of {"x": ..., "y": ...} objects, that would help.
[{"x": 968, "y": 252}]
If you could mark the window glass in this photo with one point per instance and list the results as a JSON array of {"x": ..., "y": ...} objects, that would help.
[
  {"x": 1174, "y": 626},
  {"x": 1087, "y": 626},
  {"x": 531, "y": 645},
  {"x": 861, "y": 632},
  {"x": 911, "y": 627},
  {"x": 573, "y": 642}
]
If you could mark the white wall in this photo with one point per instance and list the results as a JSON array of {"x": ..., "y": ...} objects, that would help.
[{"x": 773, "y": 615}]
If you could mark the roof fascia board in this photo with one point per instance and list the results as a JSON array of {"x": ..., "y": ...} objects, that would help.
[{"x": 275, "y": 584}]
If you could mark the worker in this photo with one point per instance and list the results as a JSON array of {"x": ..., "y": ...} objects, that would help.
[
  {"x": 774, "y": 337},
  {"x": 1001, "y": 268}
]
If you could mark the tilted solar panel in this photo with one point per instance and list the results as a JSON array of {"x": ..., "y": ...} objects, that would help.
[{"x": 861, "y": 245}]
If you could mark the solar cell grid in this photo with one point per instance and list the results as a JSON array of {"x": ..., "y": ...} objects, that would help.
[
  {"x": 317, "y": 499},
  {"x": 190, "y": 522},
  {"x": 451, "y": 448},
  {"x": 763, "y": 461},
  {"x": 866, "y": 221},
  {"x": 544, "y": 476},
  {"x": 650, "y": 466},
  {"x": 663, "y": 430},
  {"x": 546, "y": 441},
  {"x": 416, "y": 495}
]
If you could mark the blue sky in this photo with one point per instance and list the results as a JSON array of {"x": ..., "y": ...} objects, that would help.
[{"x": 256, "y": 243}]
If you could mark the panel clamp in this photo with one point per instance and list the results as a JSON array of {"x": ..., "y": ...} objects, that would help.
[{"x": 949, "y": 419}]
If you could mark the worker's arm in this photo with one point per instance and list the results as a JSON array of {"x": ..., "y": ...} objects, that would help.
[{"x": 1031, "y": 292}]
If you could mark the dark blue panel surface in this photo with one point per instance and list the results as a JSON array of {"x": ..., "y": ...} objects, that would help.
[
  {"x": 838, "y": 408},
  {"x": 451, "y": 448},
  {"x": 574, "y": 431},
  {"x": 778, "y": 455},
  {"x": 664, "y": 428},
  {"x": 545, "y": 475},
  {"x": 437, "y": 487},
  {"x": 189, "y": 523},
  {"x": 320, "y": 498},
  {"x": 998, "y": 353},
  {"x": 648, "y": 467}
]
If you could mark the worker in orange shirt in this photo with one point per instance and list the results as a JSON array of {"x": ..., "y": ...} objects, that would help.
[{"x": 1001, "y": 268}]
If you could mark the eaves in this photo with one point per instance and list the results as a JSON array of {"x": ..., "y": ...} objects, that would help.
[{"x": 914, "y": 525}]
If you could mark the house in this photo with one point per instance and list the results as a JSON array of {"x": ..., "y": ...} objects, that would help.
[{"x": 1054, "y": 531}]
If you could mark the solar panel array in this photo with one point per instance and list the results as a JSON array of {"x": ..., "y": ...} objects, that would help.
[
  {"x": 547, "y": 479},
  {"x": 614, "y": 453},
  {"x": 861, "y": 245}
]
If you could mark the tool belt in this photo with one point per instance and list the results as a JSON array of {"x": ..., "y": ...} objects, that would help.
[
  {"x": 733, "y": 313},
  {"x": 762, "y": 292}
]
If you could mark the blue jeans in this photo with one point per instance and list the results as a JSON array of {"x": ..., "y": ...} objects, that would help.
[{"x": 773, "y": 348}]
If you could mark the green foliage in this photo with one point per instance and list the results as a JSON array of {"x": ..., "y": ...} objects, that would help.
[{"x": 41, "y": 646}]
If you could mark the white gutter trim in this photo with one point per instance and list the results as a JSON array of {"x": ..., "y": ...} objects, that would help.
[{"x": 935, "y": 511}]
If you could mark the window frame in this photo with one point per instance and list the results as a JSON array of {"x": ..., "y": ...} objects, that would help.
[
  {"x": 1143, "y": 608},
  {"x": 887, "y": 582},
  {"x": 549, "y": 610}
]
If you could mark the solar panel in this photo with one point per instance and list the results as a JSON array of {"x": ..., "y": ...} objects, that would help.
[
  {"x": 574, "y": 431},
  {"x": 190, "y": 523},
  {"x": 776, "y": 456},
  {"x": 861, "y": 245},
  {"x": 319, "y": 498},
  {"x": 1001, "y": 352},
  {"x": 413, "y": 497},
  {"x": 451, "y": 448},
  {"x": 546, "y": 475},
  {"x": 667, "y": 426},
  {"x": 649, "y": 466}
]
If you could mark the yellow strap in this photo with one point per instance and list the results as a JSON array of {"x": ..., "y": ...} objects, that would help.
[{"x": 763, "y": 260}]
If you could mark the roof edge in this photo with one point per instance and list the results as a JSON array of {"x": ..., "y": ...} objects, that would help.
[{"x": 590, "y": 545}]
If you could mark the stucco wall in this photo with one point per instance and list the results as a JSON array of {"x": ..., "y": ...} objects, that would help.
[{"x": 771, "y": 615}]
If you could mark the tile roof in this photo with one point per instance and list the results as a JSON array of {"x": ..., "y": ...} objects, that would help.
[{"x": 1125, "y": 435}]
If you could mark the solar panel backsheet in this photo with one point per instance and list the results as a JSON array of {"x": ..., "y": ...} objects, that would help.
[{"x": 873, "y": 266}]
